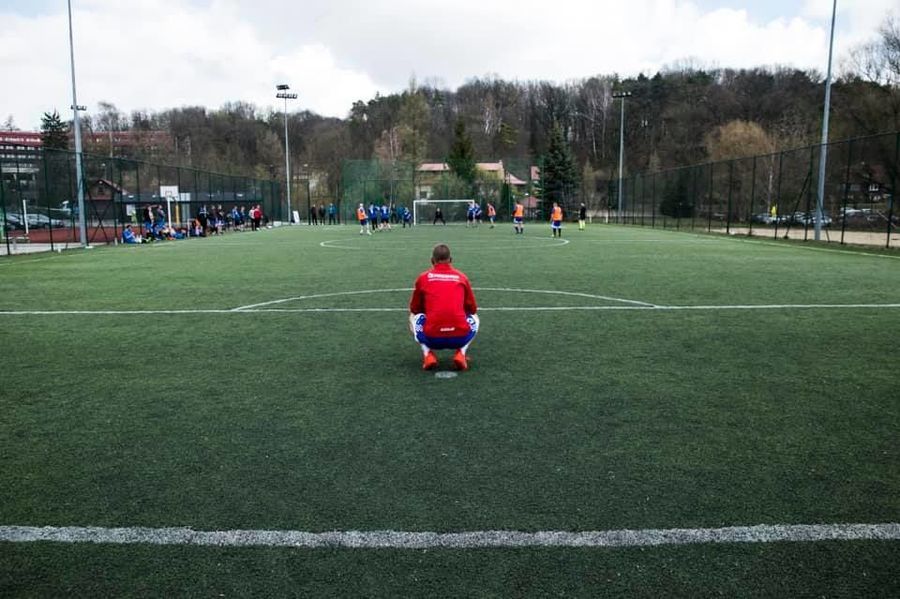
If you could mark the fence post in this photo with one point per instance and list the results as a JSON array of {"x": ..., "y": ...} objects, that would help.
[
  {"x": 181, "y": 218},
  {"x": 115, "y": 208},
  {"x": 137, "y": 183},
  {"x": 643, "y": 197},
  {"x": 812, "y": 163},
  {"x": 122, "y": 187},
  {"x": 46, "y": 191},
  {"x": 694, "y": 184},
  {"x": 778, "y": 191},
  {"x": 712, "y": 166},
  {"x": 846, "y": 191},
  {"x": 752, "y": 197},
  {"x": 3, "y": 209},
  {"x": 653, "y": 205},
  {"x": 730, "y": 188},
  {"x": 890, "y": 223}
]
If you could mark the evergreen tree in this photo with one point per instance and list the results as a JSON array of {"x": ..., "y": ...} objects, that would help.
[
  {"x": 54, "y": 133},
  {"x": 676, "y": 201},
  {"x": 558, "y": 175},
  {"x": 461, "y": 159}
]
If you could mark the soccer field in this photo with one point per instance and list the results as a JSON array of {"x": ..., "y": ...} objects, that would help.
[{"x": 732, "y": 403}]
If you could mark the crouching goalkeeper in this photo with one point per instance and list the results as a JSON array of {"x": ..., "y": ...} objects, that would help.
[{"x": 443, "y": 311}]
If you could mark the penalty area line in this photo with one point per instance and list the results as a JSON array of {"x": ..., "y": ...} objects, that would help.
[{"x": 390, "y": 539}]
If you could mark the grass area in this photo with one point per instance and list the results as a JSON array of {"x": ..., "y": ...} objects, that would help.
[{"x": 588, "y": 419}]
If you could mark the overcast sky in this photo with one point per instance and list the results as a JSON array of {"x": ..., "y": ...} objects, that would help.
[{"x": 153, "y": 54}]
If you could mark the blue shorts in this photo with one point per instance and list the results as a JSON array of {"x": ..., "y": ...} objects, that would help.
[
  {"x": 444, "y": 342},
  {"x": 363, "y": 221},
  {"x": 518, "y": 220},
  {"x": 556, "y": 224}
]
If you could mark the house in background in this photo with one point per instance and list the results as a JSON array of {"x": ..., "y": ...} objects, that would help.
[{"x": 428, "y": 176}]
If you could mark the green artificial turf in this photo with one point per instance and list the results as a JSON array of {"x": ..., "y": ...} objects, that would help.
[{"x": 567, "y": 420}]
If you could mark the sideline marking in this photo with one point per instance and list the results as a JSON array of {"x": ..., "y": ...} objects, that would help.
[
  {"x": 331, "y": 244},
  {"x": 391, "y": 539},
  {"x": 445, "y": 374}
]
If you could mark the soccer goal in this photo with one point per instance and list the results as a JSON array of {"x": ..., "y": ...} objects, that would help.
[{"x": 452, "y": 211}]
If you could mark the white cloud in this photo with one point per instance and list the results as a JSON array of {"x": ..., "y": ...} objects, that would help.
[{"x": 162, "y": 53}]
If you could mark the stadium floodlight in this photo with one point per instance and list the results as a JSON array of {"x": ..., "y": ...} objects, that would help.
[
  {"x": 282, "y": 93},
  {"x": 79, "y": 175},
  {"x": 823, "y": 149},
  {"x": 621, "y": 95}
]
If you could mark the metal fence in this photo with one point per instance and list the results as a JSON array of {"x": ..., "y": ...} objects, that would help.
[
  {"x": 399, "y": 183},
  {"x": 771, "y": 195},
  {"x": 39, "y": 205}
]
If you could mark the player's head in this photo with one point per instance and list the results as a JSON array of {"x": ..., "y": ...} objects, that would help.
[{"x": 441, "y": 254}]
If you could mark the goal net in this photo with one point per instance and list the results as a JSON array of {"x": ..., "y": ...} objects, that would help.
[{"x": 452, "y": 211}]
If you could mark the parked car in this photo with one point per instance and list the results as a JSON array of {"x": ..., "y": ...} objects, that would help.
[
  {"x": 809, "y": 219},
  {"x": 763, "y": 218},
  {"x": 42, "y": 221},
  {"x": 13, "y": 221}
]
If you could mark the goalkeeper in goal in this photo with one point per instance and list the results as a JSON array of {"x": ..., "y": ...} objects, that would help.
[{"x": 443, "y": 312}]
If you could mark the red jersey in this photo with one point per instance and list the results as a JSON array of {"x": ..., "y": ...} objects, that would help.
[{"x": 445, "y": 296}]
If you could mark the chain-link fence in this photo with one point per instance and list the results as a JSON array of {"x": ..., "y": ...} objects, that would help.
[
  {"x": 400, "y": 183},
  {"x": 772, "y": 195},
  {"x": 39, "y": 199}
]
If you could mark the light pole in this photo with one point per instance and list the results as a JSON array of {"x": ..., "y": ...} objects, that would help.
[
  {"x": 282, "y": 93},
  {"x": 621, "y": 96},
  {"x": 79, "y": 178},
  {"x": 823, "y": 149}
]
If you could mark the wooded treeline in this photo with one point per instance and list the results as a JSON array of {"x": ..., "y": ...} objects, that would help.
[{"x": 682, "y": 115}]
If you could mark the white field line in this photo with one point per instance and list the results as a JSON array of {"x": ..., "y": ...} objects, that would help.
[
  {"x": 390, "y": 539},
  {"x": 333, "y": 244},
  {"x": 408, "y": 289},
  {"x": 567, "y": 293},
  {"x": 485, "y": 309},
  {"x": 317, "y": 296}
]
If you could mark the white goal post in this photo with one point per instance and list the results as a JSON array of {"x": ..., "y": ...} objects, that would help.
[{"x": 419, "y": 203}]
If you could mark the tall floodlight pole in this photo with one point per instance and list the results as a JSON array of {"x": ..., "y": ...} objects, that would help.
[
  {"x": 79, "y": 179},
  {"x": 622, "y": 96},
  {"x": 823, "y": 149},
  {"x": 282, "y": 93}
]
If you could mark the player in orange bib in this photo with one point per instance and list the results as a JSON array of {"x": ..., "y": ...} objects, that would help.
[
  {"x": 363, "y": 220},
  {"x": 519, "y": 218},
  {"x": 492, "y": 213},
  {"x": 556, "y": 218}
]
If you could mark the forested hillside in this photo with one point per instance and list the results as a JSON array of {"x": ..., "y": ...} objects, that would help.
[{"x": 681, "y": 115}]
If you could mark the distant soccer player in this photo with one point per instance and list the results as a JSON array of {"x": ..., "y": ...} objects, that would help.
[
  {"x": 373, "y": 217},
  {"x": 363, "y": 220},
  {"x": 470, "y": 215},
  {"x": 443, "y": 311},
  {"x": 582, "y": 216},
  {"x": 556, "y": 218},
  {"x": 438, "y": 216},
  {"x": 492, "y": 213},
  {"x": 385, "y": 217},
  {"x": 519, "y": 218},
  {"x": 407, "y": 217}
]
